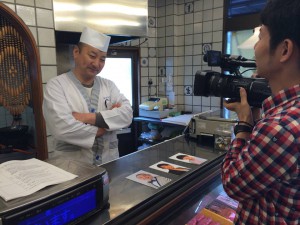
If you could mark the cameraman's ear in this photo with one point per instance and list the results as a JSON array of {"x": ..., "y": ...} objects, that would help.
[{"x": 287, "y": 47}]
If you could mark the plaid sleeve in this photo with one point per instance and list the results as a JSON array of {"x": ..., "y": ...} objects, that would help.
[{"x": 250, "y": 168}]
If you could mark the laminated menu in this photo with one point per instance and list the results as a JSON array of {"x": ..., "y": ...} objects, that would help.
[{"x": 24, "y": 177}]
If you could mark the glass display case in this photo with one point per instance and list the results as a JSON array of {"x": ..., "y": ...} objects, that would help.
[{"x": 134, "y": 203}]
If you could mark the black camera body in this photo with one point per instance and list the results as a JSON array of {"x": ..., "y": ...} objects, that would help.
[{"x": 211, "y": 83}]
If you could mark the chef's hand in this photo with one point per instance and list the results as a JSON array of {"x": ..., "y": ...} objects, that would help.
[
  {"x": 242, "y": 108},
  {"x": 115, "y": 105},
  {"x": 100, "y": 132},
  {"x": 87, "y": 118}
]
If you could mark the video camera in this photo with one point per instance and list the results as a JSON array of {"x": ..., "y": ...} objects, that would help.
[{"x": 211, "y": 83}]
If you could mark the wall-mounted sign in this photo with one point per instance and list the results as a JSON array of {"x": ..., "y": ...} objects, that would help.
[
  {"x": 206, "y": 47},
  {"x": 188, "y": 90}
]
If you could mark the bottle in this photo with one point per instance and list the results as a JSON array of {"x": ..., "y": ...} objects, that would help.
[{"x": 223, "y": 136}]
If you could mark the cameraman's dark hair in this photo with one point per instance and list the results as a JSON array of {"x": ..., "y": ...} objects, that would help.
[{"x": 282, "y": 19}]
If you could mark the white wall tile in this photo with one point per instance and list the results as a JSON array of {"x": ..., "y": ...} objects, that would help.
[
  {"x": 198, "y": 5},
  {"x": 207, "y": 15},
  {"x": 188, "y": 71},
  {"x": 218, "y": 3},
  {"x": 179, "y": 30},
  {"x": 198, "y": 28},
  {"x": 46, "y": 37},
  {"x": 197, "y": 100},
  {"x": 217, "y": 36},
  {"x": 215, "y": 101},
  {"x": 48, "y": 56},
  {"x": 178, "y": 51},
  {"x": 198, "y": 17},
  {"x": 27, "y": 14},
  {"x": 207, "y": 26},
  {"x": 25, "y": 2},
  {"x": 170, "y": 20},
  {"x": 218, "y": 13},
  {"x": 169, "y": 10},
  {"x": 189, "y": 50},
  {"x": 153, "y": 72},
  {"x": 48, "y": 72},
  {"x": 179, "y": 20},
  {"x": 153, "y": 62},
  {"x": 188, "y": 29},
  {"x": 179, "y": 40},
  {"x": 169, "y": 51},
  {"x": 11, "y": 1},
  {"x": 188, "y": 60},
  {"x": 188, "y": 18},
  {"x": 44, "y": 18},
  {"x": 207, "y": 37},
  {"x": 208, "y": 4},
  {"x": 197, "y": 38},
  {"x": 161, "y": 52},
  {"x": 169, "y": 31},
  {"x": 44, "y": 4},
  {"x": 161, "y": 11},
  {"x": 188, "y": 39},
  {"x": 197, "y": 60},
  {"x": 161, "y": 22},
  {"x": 188, "y": 100},
  {"x": 197, "y": 49},
  {"x": 218, "y": 25}
]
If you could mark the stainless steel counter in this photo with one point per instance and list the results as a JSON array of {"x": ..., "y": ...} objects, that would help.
[{"x": 134, "y": 203}]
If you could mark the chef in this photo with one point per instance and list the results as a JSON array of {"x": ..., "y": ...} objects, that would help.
[{"x": 83, "y": 110}]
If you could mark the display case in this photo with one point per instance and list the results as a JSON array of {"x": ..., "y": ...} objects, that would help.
[
  {"x": 150, "y": 131},
  {"x": 135, "y": 203}
]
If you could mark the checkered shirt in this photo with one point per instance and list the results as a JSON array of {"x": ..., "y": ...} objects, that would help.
[{"x": 263, "y": 174}]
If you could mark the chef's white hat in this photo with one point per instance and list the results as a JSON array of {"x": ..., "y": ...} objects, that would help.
[
  {"x": 251, "y": 41},
  {"x": 95, "y": 39}
]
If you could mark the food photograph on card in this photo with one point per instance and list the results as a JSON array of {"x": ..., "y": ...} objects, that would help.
[
  {"x": 188, "y": 158},
  {"x": 149, "y": 179},
  {"x": 170, "y": 168}
]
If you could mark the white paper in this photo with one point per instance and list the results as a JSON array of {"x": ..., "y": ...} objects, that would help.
[
  {"x": 180, "y": 120},
  {"x": 23, "y": 177}
]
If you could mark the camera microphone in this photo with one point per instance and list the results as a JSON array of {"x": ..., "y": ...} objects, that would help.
[{"x": 226, "y": 61}]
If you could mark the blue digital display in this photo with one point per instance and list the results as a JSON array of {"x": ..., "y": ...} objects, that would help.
[{"x": 65, "y": 212}]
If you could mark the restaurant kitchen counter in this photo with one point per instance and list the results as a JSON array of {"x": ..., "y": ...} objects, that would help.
[{"x": 135, "y": 203}]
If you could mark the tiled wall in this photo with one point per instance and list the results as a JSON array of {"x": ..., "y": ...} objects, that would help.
[{"x": 179, "y": 33}]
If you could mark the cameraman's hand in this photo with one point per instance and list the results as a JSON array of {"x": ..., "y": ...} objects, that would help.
[{"x": 242, "y": 108}]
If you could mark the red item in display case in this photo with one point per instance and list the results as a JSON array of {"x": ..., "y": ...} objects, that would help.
[
  {"x": 221, "y": 211},
  {"x": 223, "y": 206}
]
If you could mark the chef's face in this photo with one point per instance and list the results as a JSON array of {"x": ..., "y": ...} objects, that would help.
[{"x": 89, "y": 61}]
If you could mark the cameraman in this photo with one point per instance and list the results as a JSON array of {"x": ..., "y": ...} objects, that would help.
[{"x": 262, "y": 167}]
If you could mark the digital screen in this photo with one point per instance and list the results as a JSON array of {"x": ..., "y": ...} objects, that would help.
[{"x": 65, "y": 212}]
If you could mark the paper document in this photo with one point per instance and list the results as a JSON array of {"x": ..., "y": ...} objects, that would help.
[
  {"x": 23, "y": 177},
  {"x": 180, "y": 120}
]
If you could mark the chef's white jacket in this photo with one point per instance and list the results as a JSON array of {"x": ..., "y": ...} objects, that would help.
[{"x": 76, "y": 140}]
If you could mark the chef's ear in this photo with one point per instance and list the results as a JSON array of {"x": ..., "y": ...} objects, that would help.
[{"x": 76, "y": 50}]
